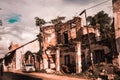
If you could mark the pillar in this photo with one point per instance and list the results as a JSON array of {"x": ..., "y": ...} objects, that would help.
[
  {"x": 45, "y": 63},
  {"x": 5, "y": 68},
  {"x": 18, "y": 60},
  {"x": 78, "y": 58},
  {"x": 119, "y": 60},
  {"x": 58, "y": 60}
]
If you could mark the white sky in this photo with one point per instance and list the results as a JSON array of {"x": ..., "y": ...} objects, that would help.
[{"x": 24, "y": 12}]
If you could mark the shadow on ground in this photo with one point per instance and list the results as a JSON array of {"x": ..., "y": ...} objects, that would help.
[{"x": 17, "y": 76}]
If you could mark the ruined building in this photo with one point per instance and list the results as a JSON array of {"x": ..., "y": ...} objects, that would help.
[
  {"x": 19, "y": 55},
  {"x": 66, "y": 47}
]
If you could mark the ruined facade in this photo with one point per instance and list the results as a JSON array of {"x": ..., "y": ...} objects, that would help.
[
  {"x": 65, "y": 48},
  {"x": 16, "y": 58},
  {"x": 60, "y": 45},
  {"x": 70, "y": 41}
]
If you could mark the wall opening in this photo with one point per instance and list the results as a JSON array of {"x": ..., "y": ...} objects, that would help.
[{"x": 65, "y": 37}]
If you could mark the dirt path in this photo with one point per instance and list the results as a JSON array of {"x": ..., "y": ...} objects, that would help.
[{"x": 51, "y": 76}]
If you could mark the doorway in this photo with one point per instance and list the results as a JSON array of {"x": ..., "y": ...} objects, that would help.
[{"x": 98, "y": 56}]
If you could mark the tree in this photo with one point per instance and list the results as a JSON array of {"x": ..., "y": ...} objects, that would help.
[
  {"x": 58, "y": 20},
  {"x": 40, "y": 22},
  {"x": 106, "y": 30},
  {"x": 104, "y": 21}
]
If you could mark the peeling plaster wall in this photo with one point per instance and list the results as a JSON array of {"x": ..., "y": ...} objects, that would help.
[
  {"x": 49, "y": 37},
  {"x": 19, "y": 59},
  {"x": 19, "y": 54}
]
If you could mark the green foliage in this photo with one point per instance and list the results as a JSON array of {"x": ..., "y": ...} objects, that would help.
[
  {"x": 103, "y": 20},
  {"x": 9, "y": 58},
  {"x": 58, "y": 20},
  {"x": 39, "y": 22}
]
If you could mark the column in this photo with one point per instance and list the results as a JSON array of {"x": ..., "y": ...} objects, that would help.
[
  {"x": 119, "y": 60},
  {"x": 18, "y": 59},
  {"x": 58, "y": 60},
  {"x": 45, "y": 63},
  {"x": 5, "y": 68},
  {"x": 78, "y": 58}
]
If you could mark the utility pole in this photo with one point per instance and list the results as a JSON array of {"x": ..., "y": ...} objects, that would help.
[
  {"x": 40, "y": 22},
  {"x": 89, "y": 41}
]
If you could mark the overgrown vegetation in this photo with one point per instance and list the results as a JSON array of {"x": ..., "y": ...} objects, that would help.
[
  {"x": 103, "y": 21},
  {"x": 105, "y": 24}
]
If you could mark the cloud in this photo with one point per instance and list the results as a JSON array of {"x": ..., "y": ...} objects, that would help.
[
  {"x": 21, "y": 14},
  {"x": 18, "y": 15},
  {"x": 79, "y": 2}
]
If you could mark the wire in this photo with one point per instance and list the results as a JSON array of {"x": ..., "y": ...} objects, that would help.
[
  {"x": 97, "y": 4},
  {"x": 93, "y": 6}
]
